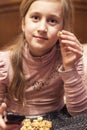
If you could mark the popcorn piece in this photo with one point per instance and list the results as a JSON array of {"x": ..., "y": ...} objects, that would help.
[
  {"x": 40, "y": 118},
  {"x": 59, "y": 33}
]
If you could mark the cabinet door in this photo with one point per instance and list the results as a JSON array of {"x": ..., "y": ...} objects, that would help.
[
  {"x": 9, "y": 21},
  {"x": 80, "y": 24}
]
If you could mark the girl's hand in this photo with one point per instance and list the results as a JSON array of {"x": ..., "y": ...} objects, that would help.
[
  {"x": 3, "y": 125},
  {"x": 71, "y": 49}
]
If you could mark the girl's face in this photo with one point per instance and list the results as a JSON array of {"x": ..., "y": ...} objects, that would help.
[{"x": 41, "y": 24}]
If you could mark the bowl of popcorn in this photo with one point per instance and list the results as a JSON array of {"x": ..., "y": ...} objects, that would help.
[{"x": 36, "y": 124}]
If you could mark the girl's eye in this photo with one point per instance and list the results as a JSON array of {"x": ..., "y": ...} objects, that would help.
[
  {"x": 52, "y": 21},
  {"x": 35, "y": 18}
]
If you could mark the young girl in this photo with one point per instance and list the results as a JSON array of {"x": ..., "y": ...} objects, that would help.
[{"x": 43, "y": 65}]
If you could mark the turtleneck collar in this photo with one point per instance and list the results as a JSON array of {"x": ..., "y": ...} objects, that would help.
[{"x": 39, "y": 61}]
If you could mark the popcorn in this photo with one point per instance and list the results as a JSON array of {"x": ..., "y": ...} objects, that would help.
[
  {"x": 59, "y": 33},
  {"x": 37, "y": 124}
]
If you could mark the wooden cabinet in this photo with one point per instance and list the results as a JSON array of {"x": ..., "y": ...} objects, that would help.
[
  {"x": 80, "y": 25},
  {"x": 9, "y": 21}
]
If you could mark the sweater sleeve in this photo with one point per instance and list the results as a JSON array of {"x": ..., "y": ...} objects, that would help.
[
  {"x": 75, "y": 88},
  {"x": 3, "y": 77}
]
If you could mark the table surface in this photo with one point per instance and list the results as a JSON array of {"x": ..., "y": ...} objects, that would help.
[
  {"x": 72, "y": 123},
  {"x": 63, "y": 121}
]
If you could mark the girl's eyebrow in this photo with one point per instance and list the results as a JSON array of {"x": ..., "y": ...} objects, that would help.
[
  {"x": 55, "y": 15},
  {"x": 51, "y": 15}
]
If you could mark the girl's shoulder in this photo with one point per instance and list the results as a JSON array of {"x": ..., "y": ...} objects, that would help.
[
  {"x": 4, "y": 64},
  {"x": 4, "y": 52},
  {"x": 4, "y": 55}
]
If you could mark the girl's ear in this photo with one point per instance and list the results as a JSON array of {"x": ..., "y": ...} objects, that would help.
[{"x": 23, "y": 24}]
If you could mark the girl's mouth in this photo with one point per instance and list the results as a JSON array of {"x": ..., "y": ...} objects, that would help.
[{"x": 41, "y": 38}]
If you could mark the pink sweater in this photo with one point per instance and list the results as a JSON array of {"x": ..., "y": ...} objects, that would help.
[{"x": 46, "y": 84}]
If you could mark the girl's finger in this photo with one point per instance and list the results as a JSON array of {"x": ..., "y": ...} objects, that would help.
[{"x": 2, "y": 108}]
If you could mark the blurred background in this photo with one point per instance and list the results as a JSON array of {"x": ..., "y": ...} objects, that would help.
[{"x": 10, "y": 23}]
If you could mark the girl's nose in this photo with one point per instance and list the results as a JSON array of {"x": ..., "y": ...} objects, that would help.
[{"x": 42, "y": 26}]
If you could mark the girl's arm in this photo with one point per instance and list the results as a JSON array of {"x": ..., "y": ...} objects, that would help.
[
  {"x": 3, "y": 84},
  {"x": 72, "y": 73}
]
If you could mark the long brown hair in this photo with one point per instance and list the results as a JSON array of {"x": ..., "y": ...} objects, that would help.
[{"x": 17, "y": 86}]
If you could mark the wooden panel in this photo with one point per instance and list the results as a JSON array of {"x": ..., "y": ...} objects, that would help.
[
  {"x": 9, "y": 20},
  {"x": 80, "y": 25}
]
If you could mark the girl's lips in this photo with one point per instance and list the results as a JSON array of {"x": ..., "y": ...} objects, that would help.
[{"x": 40, "y": 37}]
